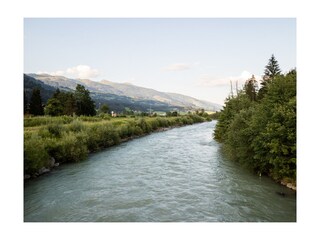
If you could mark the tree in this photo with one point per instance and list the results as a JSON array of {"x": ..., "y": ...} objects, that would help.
[
  {"x": 272, "y": 70},
  {"x": 104, "y": 108},
  {"x": 70, "y": 106},
  {"x": 68, "y": 101},
  {"x": 251, "y": 88},
  {"x": 127, "y": 111},
  {"x": 262, "y": 135},
  {"x": 36, "y": 107},
  {"x": 54, "y": 107},
  {"x": 274, "y": 127},
  {"x": 25, "y": 103},
  {"x": 85, "y": 105},
  {"x": 61, "y": 103}
]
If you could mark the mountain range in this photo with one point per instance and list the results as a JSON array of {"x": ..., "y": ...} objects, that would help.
[{"x": 121, "y": 95}]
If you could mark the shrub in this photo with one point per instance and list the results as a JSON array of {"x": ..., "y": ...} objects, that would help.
[
  {"x": 145, "y": 127},
  {"x": 71, "y": 147},
  {"x": 154, "y": 123},
  {"x": 125, "y": 131},
  {"x": 35, "y": 154},
  {"x": 101, "y": 136},
  {"x": 76, "y": 126},
  {"x": 55, "y": 129}
]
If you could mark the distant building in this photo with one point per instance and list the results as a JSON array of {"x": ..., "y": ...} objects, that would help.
[{"x": 113, "y": 114}]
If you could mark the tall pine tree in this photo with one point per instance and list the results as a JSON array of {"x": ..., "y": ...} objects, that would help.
[
  {"x": 272, "y": 70},
  {"x": 36, "y": 107}
]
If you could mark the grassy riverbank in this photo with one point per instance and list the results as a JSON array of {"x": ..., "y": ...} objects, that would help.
[{"x": 52, "y": 140}]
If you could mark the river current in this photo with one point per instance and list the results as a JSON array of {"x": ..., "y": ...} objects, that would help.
[{"x": 178, "y": 175}]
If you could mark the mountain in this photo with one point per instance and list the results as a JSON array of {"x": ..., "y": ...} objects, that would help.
[
  {"x": 31, "y": 83},
  {"x": 116, "y": 103},
  {"x": 106, "y": 90}
]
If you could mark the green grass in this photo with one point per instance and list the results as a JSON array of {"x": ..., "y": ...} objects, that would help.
[{"x": 70, "y": 139}]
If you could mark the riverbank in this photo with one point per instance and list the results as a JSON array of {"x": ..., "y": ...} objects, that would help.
[
  {"x": 289, "y": 183},
  {"x": 173, "y": 176},
  {"x": 48, "y": 145}
]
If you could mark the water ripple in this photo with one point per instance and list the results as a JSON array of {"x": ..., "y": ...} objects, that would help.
[{"x": 177, "y": 175}]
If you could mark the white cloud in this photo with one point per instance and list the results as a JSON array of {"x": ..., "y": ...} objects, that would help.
[
  {"x": 80, "y": 71},
  {"x": 178, "y": 67},
  {"x": 207, "y": 80}
]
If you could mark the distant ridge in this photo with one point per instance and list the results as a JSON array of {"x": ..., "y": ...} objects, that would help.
[{"x": 128, "y": 90}]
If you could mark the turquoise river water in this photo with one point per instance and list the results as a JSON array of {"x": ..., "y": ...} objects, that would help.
[{"x": 177, "y": 175}]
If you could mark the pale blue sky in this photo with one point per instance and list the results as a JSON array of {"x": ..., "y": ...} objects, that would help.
[{"x": 196, "y": 56}]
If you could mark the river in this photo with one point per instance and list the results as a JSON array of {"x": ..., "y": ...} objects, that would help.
[{"x": 178, "y": 175}]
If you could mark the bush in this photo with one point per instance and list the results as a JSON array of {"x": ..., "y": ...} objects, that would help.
[
  {"x": 76, "y": 126},
  {"x": 125, "y": 131},
  {"x": 145, "y": 127},
  {"x": 71, "y": 147},
  {"x": 72, "y": 142},
  {"x": 55, "y": 129},
  {"x": 35, "y": 154},
  {"x": 101, "y": 136}
]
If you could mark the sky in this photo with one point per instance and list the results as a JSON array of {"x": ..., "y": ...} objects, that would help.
[{"x": 197, "y": 57}]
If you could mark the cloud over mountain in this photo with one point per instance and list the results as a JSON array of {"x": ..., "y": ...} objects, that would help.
[{"x": 80, "y": 71}]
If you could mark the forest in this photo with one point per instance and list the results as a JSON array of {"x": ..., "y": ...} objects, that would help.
[{"x": 257, "y": 126}]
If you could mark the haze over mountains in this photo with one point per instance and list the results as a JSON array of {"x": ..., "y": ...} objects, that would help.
[{"x": 137, "y": 97}]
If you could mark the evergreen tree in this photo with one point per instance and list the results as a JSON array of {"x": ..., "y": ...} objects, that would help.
[
  {"x": 262, "y": 135},
  {"x": 25, "y": 103},
  {"x": 85, "y": 105},
  {"x": 36, "y": 107},
  {"x": 61, "y": 103},
  {"x": 272, "y": 70},
  {"x": 57, "y": 93},
  {"x": 70, "y": 105},
  {"x": 251, "y": 88}
]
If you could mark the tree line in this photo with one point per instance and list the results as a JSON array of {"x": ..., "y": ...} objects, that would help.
[
  {"x": 62, "y": 103},
  {"x": 257, "y": 126}
]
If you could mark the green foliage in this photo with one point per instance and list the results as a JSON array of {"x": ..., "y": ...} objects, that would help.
[
  {"x": 85, "y": 105},
  {"x": 262, "y": 135},
  {"x": 172, "y": 114},
  {"x": 55, "y": 129},
  {"x": 67, "y": 103},
  {"x": 45, "y": 120},
  {"x": 35, "y": 154},
  {"x": 25, "y": 103},
  {"x": 71, "y": 147},
  {"x": 238, "y": 136},
  {"x": 69, "y": 139},
  {"x": 104, "y": 108},
  {"x": 145, "y": 127},
  {"x": 76, "y": 126},
  {"x": 36, "y": 107},
  {"x": 251, "y": 88},
  {"x": 61, "y": 103},
  {"x": 54, "y": 107},
  {"x": 233, "y": 106},
  {"x": 271, "y": 71}
]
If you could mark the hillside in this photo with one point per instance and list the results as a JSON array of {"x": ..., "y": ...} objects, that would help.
[
  {"x": 115, "y": 102},
  {"x": 130, "y": 91}
]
